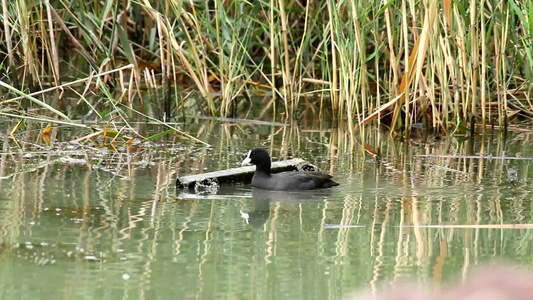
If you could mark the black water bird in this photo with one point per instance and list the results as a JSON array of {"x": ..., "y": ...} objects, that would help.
[{"x": 284, "y": 181}]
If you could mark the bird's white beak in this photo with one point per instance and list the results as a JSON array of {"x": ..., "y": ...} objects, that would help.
[{"x": 247, "y": 160}]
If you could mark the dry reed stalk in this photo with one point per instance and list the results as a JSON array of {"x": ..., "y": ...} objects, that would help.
[
  {"x": 483, "y": 67},
  {"x": 334, "y": 65},
  {"x": 54, "y": 57},
  {"x": 502, "y": 103},
  {"x": 8, "y": 36},
  {"x": 463, "y": 86},
  {"x": 287, "y": 79},
  {"x": 474, "y": 74},
  {"x": 89, "y": 78}
]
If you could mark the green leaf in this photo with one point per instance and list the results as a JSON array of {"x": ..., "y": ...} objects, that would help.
[
  {"x": 158, "y": 135},
  {"x": 128, "y": 50}
]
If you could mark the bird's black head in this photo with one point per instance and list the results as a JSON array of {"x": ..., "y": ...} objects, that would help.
[{"x": 258, "y": 157}]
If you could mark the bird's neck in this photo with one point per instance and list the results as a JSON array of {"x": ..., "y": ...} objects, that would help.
[{"x": 264, "y": 168}]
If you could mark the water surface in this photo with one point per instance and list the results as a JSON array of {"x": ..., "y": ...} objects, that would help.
[{"x": 94, "y": 222}]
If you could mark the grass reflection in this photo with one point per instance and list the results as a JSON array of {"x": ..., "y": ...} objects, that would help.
[{"x": 428, "y": 209}]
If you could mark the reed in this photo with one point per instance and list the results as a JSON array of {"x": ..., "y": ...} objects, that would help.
[{"x": 444, "y": 63}]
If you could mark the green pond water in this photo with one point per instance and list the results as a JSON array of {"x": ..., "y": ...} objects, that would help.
[{"x": 92, "y": 222}]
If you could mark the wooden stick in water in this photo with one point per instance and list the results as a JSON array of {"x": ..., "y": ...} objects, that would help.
[{"x": 242, "y": 175}]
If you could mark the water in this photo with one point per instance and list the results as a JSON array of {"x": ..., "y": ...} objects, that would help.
[{"x": 92, "y": 222}]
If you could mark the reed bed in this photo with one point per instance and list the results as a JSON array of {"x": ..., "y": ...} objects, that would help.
[{"x": 449, "y": 64}]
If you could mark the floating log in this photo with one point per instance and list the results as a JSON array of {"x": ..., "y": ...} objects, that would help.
[{"x": 242, "y": 175}]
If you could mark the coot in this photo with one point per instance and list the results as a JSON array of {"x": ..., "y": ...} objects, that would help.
[{"x": 283, "y": 181}]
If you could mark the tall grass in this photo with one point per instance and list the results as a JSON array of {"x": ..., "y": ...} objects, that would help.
[{"x": 445, "y": 63}]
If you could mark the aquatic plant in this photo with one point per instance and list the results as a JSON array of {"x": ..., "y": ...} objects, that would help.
[{"x": 448, "y": 64}]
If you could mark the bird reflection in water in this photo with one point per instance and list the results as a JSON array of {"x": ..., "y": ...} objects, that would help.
[{"x": 262, "y": 199}]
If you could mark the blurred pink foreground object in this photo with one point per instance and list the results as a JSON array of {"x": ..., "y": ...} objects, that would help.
[{"x": 487, "y": 283}]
